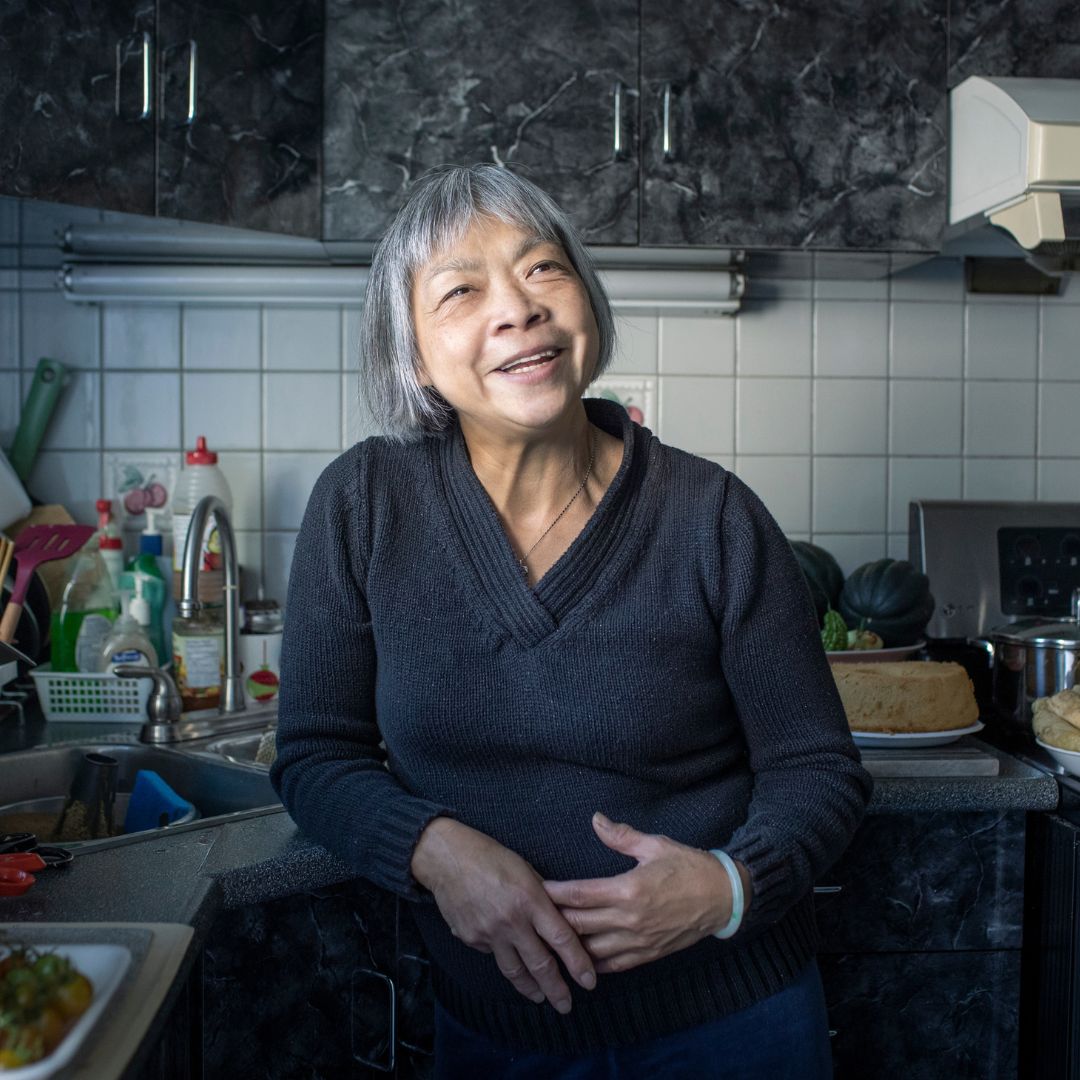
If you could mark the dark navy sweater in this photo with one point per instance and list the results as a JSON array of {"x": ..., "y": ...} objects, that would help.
[{"x": 667, "y": 670}]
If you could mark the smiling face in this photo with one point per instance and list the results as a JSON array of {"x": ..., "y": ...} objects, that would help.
[{"x": 505, "y": 330}]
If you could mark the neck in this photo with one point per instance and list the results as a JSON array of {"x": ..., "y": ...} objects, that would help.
[{"x": 531, "y": 477}]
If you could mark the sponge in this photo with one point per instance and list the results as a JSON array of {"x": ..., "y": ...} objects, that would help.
[{"x": 153, "y": 803}]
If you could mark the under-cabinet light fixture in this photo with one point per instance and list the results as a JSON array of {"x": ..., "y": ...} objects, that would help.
[{"x": 632, "y": 291}]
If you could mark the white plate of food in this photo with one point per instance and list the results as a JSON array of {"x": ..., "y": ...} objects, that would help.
[
  {"x": 103, "y": 965},
  {"x": 874, "y": 656},
  {"x": 915, "y": 739},
  {"x": 1069, "y": 760}
]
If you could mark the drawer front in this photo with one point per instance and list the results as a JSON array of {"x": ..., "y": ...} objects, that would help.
[{"x": 911, "y": 882}]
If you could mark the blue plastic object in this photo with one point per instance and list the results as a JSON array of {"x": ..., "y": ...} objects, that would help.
[{"x": 153, "y": 803}]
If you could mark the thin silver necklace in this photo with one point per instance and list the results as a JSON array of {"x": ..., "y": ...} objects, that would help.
[{"x": 523, "y": 562}]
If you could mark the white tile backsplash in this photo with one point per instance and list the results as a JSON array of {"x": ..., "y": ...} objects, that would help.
[
  {"x": 773, "y": 338},
  {"x": 999, "y": 418},
  {"x": 10, "y": 406},
  {"x": 76, "y": 423},
  {"x": 1058, "y": 480},
  {"x": 933, "y": 280},
  {"x": 71, "y": 477},
  {"x": 925, "y": 416},
  {"x": 54, "y": 327},
  {"x": 1059, "y": 419},
  {"x": 849, "y": 494},
  {"x": 850, "y": 416},
  {"x": 243, "y": 472},
  {"x": 696, "y": 346},
  {"x": 772, "y": 416},
  {"x": 1002, "y": 341},
  {"x": 999, "y": 478},
  {"x": 1059, "y": 356},
  {"x": 852, "y": 550},
  {"x": 222, "y": 338},
  {"x": 142, "y": 410},
  {"x": 140, "y": 335},
  {"x": 303, "y": 412},
  {"x": 225, "y": 407},
  {"x": 927, "y": 341},
  {"x": 698, "y": 414},
  {"x": 303, "y": 338},
  {"x": 851, "y": 338},
  {"x": 9, "y": 329}
]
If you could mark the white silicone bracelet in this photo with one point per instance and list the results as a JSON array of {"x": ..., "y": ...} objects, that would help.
[{"x": 736, "y": 894}]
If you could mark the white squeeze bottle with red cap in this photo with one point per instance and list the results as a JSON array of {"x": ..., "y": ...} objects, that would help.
[{"x": 200, "y": 477}]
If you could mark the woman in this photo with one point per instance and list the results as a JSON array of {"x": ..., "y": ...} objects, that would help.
[{"x": 517, "y": 612}]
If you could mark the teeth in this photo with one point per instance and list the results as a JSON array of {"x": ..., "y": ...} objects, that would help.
[{"x": 546, "y": 355}]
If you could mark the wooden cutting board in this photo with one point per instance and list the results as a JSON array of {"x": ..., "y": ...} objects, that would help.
[{"x": 930, "y": 761}]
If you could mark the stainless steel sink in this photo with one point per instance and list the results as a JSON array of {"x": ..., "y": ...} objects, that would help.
[
  {"x": 239, "y": 749},
  {"x": 221, "y": 789}
]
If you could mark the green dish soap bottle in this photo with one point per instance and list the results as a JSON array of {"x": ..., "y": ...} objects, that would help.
[
  {"x": 145, "y": 569},
  {"x": 88, "y": 608}
]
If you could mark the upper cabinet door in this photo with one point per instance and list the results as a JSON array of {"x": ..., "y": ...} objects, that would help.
[
  {"x": 69, "y": 131},
  {"x": 240, "y": 113},
  {"x": 794, "y": 123},
  {"x": 414, "y": 85},
  {"x": 1021, "y": 38}
]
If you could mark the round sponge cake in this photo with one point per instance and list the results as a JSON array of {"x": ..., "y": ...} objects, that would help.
[{"x": 906, "y": 697}]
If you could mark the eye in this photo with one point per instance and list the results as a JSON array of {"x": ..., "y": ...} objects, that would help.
[
  {"x": 546, "y": 265},
  {"x": 458, "y": 290}
]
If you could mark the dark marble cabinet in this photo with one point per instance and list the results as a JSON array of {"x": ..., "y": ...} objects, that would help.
[
  {"x": 921, "y": 946},
  {"x": 250, "y": 155},
  {"x": 203, "y": 111},
  {"x": 1022, "y": 38},
  {"x": 413, "y": 86},
  {"x": 76, "y": 108},
  {"x": 321, "y": 984},
  {"x": 794, "y": 124}
]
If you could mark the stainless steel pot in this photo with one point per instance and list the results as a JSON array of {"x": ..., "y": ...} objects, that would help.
[{"x": 1032, "y": 659}]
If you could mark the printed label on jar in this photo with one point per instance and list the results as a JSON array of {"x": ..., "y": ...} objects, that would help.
[{"x": 199, "y": 666}]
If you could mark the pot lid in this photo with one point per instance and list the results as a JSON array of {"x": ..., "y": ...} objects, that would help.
[{"x": 1061, "y": 635}]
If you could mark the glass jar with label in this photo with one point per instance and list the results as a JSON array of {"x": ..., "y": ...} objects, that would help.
[
  {"x": 199, "y": 658},
  {"x": 260, "y": 651}
]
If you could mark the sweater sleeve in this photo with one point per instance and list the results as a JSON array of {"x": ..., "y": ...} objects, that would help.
[
  {"x": 331, "y": 771},
  {"x": 810, "y": 789}
]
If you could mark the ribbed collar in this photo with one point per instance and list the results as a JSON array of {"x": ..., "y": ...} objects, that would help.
[{"x": 596, "y": 555}]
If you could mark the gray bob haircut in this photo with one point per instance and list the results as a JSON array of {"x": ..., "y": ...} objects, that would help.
[{"x": 439, "y": 212}]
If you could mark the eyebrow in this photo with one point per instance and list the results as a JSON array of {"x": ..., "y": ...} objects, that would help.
[{"x": 471, "y": 265}]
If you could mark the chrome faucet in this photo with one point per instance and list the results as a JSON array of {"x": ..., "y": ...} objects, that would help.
[{"x": 210, "y": 506}]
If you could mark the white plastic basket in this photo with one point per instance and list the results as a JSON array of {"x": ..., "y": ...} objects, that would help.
[{"x": 89, "y": 696}]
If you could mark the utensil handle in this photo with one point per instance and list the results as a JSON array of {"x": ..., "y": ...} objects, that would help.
[
  {"x": 40, "y": 402},
  {"x": 10, "y": 621}
]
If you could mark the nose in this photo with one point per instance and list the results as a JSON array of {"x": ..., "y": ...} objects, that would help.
[{"x": 515, "y": 307}]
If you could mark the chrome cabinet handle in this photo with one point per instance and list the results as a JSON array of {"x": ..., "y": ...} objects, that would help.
[
  {"x": 122, "y": 48},
  {"x": 668, "y": 142},
  {"x": 827, "y": 888},
  {"x": 193, "y": 82},
  {"x": 391, "y": 1035},
  {"x": 616, "y": 142}
]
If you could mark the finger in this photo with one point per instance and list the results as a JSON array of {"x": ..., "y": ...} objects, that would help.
[
  {"x": 516, "y": 971},
  {"x": 623, "y": 838},
  {"x": 610, "y": 944},
  {"x": 624, "y": 961},
  {"x": 544, "y": 969},
  {"x": 588, "y": 892},
  {"x": 562, "y": 937},
  {"x": 595, "y": 920}
]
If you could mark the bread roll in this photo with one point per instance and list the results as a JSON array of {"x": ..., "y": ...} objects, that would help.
[
  {"x": 906, "y": 697},
  {"x": 1052, "y": 728}
]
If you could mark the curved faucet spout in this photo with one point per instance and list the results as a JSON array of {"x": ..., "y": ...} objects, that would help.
[{"x": 210, "y": 506}]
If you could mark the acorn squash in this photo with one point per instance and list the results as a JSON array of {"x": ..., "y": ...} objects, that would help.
[
  {"x": 823, "y": 575},
  {"x": 890, "y": 597}
]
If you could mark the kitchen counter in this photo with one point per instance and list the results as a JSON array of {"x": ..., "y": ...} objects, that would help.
[{"x": 191, "y": 877}]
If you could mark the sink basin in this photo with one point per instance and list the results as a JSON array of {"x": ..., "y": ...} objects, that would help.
[
  {"x": 239, "y": 749},
  {"x": 220, "y": 789}
]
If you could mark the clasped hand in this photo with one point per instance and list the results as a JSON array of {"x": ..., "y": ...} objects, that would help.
[{"x": 495, "y": 902}]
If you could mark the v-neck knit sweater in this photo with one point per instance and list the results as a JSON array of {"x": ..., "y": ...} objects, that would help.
[{"x": 667, "y": 670}]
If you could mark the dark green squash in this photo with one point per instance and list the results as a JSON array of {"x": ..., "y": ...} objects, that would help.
[
  {"x": 823, "y": 575},
  {"x": 891, "y": 598}
]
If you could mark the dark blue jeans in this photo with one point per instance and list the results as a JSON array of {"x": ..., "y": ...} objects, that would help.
[{"x": 783, "y": 1037}]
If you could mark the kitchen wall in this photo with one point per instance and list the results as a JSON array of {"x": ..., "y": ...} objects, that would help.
[{"x": 836, "y": 400}]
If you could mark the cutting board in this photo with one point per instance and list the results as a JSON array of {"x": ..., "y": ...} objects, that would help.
[{"x": 930, "y": 761}]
